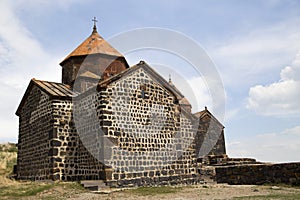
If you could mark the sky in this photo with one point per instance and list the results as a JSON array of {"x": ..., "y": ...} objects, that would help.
[{"x": 255, "y": 46}]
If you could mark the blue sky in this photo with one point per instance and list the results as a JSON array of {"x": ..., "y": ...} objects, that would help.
[{"x": 254, "y": 44}]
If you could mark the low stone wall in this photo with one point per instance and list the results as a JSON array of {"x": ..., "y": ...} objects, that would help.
[{"x": 287, "y": 173}]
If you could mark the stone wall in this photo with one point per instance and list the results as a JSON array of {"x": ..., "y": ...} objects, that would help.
[
  {"x": 131, "y": 131},
  {"x": 71, "y": 160},
  {"x": 49, "y": 145},
  {"x": 287, "y": 173},
  {"x": 149, "y": 139},
  {"x": 35, "y": 131},
  {"x": 90, "y": 151}
]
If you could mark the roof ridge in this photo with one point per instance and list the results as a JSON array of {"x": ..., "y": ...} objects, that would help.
[{"x": 39, "y": 80}]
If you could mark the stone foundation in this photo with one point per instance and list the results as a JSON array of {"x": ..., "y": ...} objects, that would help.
[{"x": 142, "y": 181}]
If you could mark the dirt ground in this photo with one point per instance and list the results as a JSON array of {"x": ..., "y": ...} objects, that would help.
[
  {"x": 218, "y": 191},
  {"x": 10, "y": 189}
]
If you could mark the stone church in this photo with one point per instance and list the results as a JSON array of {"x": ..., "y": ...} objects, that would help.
[{"x": 110, "y": 121}]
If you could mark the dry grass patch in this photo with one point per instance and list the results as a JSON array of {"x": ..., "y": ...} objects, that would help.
[
  {"x": 272, "y": 196},
  {"x": 23, "y": 190},
  {"x": 8, "y": 158},
  {"x": 144, "y": 191},
  {"x": 40, "y": 190}
]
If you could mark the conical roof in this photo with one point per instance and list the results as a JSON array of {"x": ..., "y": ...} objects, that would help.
[{"x": 94, "y": 44}]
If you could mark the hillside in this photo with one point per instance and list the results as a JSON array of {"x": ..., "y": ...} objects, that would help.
[{"x": 8, "y": 158}]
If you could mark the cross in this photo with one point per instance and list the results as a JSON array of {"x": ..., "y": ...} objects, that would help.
[{"x": 95, "y": 21}]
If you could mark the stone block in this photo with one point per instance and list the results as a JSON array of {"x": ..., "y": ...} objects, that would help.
[
  {"x": 55, "y": 143},
  {"x": 53, "y": 152}
]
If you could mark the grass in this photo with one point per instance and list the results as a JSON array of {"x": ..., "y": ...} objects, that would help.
[
  {"x": 27, "y": 189},
  {"x": 273, "y": 196},
  {"x": 8, "y": 158},
  {"x": 145, "y": 191},
  {"x": 8, "y": 147},
  {"x": 73, "y": 185},
  {"x": 12, "y": 148},
  {"x": 24, "y": 190},
  {"x": 10, "y": 189}
]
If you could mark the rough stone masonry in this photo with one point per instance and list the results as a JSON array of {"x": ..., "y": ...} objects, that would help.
[{"x": 108, "y": 121}]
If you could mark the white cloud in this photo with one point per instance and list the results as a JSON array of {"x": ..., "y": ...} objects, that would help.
[
  {"x": 251, "y": 55},
  {"x": 42, "y": 6},
  {"x": 199, "y": 94},
  {"x": 280, "y": 98},
  {"x": 231, "y": 114},
  {"x": 22, "y": 57},
  {"x": 292, "y": 131},
  {"x": 274, "y": 147}
]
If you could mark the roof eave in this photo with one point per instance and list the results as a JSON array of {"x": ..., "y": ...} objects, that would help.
[
  {"x": 93, "y": 54},
  {"x": 28, "y": 89}
]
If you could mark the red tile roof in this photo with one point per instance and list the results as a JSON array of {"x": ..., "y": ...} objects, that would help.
[{"x": 94, "y": 44}]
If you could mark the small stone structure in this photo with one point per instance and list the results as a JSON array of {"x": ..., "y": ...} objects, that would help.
[
  {"x": 108, "y": 121},
  {"x": 248, "y": 171},
  {"x": 256, "y": 174}
]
